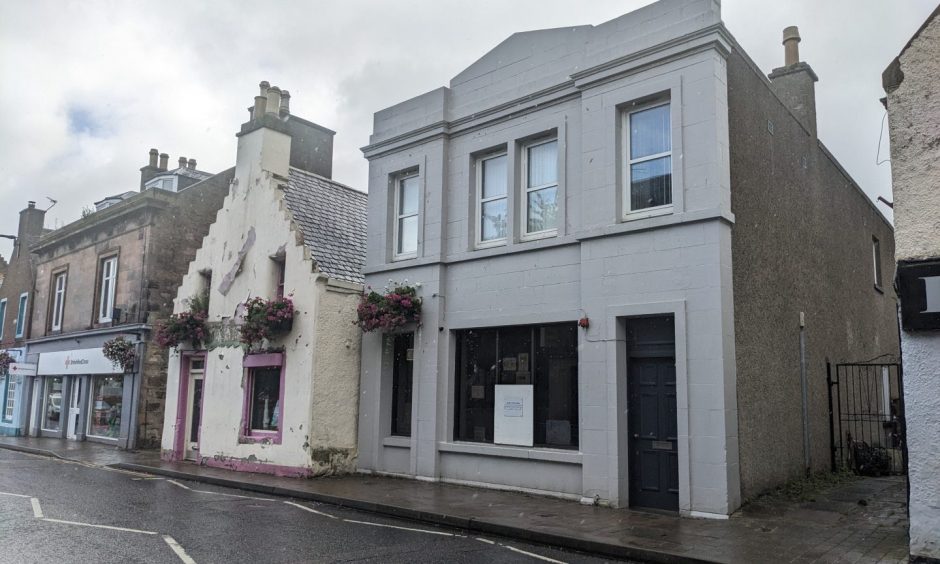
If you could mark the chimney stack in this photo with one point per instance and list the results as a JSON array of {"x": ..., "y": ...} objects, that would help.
[
  {"x": 192, "y": 164},
  {"x": 29, "y": 230},
  {"x": 164, "y": 158},
  {"x": 274, "y": 100},
  {"x": 182, "y": 162},
  {"x": 151, "y": 170},
  {"x": 794, "y": 83}
]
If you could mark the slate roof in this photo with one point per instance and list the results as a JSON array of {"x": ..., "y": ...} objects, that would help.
[
  {"x": 332, "y": 218},
  {"x": 189, "y": 173}
]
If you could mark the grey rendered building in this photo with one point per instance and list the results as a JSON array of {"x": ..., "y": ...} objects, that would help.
[{"x": 620, "y": 232}]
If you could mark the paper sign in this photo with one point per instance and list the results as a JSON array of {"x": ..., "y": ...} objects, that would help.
[
  {"x": 513, "y": 416},
  {"x": 477, "y": 392},
  {"x": 512, "y": 406}
]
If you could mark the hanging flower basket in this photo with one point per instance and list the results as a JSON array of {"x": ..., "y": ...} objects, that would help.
[
  {"x": 6, "y": 359},
  {"x": 396, "y": 308},
  {"x": 266, "y": 319},
  {"x": 188, "y": 326},
  {"x": 120, "y": 352}
]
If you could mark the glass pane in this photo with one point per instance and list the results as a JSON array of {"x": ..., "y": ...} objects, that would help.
[
  {"x": 265, "y": 399},
  {"x": 542, "y": 210},
  {"x": 107, "y": 399},
  {"x": 494, "y": 177},
  {"x": 402, "y": 372},
  {"x": 476, "y": 378},
  {"x": 543, "y": 164},
  {"x": 651, "y": 183},
  {"x": 408, "y": 196},
  {"x": 650, "y": 132},
  {"x": 196, "y": 410},
  {"x": 52, "y": 414},
  {"x": 493, "y": 222},
  {"x": 408, "y": 235},
  {"x": 556, "y": 386}
]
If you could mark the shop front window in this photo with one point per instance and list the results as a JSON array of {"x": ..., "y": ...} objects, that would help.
[
  {"x": 52, "y": 404},
  {"x": 265, "y": 398},
  {"x": 542, "y": 356},
  {"x": 107, "y": 397}
]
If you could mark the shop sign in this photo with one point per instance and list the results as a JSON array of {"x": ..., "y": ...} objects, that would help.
[
  {"x": 22, "y": 369},
  {"x": 919, "y": 292},
  {"x": 80, "y": 361}
]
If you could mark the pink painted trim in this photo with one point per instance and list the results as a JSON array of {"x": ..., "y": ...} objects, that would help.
[
  {"x": 239, "y": 465},
  {"x": 263, "y": 360},
  {"x": 247, "y": 435}
]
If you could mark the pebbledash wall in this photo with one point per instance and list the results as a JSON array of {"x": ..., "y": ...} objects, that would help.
[
  {"x": 616, "y": 269},
  {"x": 911, "y": 84},
  {"x": 255, "y": 230},
  {"x": 597, "y": 266}
]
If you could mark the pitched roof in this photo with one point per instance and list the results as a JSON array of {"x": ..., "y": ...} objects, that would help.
[
  {"x": 189, "y": 173},
  {"x": 332, "y": 218}
]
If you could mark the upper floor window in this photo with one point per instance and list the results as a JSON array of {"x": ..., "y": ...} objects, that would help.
[
  {"x": 3, "y": 316},
  {"x": 492, "y": 199},
  {"x": 876, "y": 256},
  {"x": 58, "y": 300},
  {"x": 279, "y": 267},
  {"x": 108, "y": 277},
  {"x": 540, "y": 170},
  {"x": 21, "y": 315},
  {"x": 406, "y": 216},
  {"x": 648, "y": 159}
]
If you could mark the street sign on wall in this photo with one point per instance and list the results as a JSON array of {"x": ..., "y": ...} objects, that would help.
[
  {"x": 919, "y": 292},
  {"x": 22, "y": 369}
]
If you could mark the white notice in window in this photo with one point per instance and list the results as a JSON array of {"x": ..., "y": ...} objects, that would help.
[{"x": 512, "y": 406}]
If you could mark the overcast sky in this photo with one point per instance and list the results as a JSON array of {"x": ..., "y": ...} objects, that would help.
[{"x": 89, "y": 87}]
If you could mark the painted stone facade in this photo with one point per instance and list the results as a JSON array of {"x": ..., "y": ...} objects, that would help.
[
  {"x": 269, "y": 226},
  {"x": 912, "y": 82},
  {"x": 610, "y": 266}
]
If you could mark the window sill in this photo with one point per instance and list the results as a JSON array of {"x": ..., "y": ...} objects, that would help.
[
  {"x": 526, "y": 453},
  {"x": 489, "y": 244},
  {"x": 267, "y": 439},
  {"x": 399, "y": 258},
  {"x": 648, "y": 212},
  {"x": 539, "y": 235},
  {"x": 397, "y": 442}
]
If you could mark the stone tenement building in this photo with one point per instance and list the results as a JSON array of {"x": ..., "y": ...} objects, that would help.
[
  {"x": 623, "y": 233},
  {"x": 115, "y": 273}
]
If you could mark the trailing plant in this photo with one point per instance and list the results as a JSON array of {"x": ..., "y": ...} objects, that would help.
[
  {"x": 265, "y": 319},
  {"x": 6, "y": 359},
  {"x": 120, "y": 352},
  {"x": 398, "y": 306},
  {"x": 188, "y": 326}
]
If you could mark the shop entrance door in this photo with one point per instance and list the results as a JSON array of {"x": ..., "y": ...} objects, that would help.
[
  {"x": 194, "y": 408},
  {"x": 653, "y": 420},
  {"x": 74, "y": 408}
]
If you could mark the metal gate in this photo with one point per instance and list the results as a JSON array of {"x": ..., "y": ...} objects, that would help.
[{"x": 866, "y": 418}]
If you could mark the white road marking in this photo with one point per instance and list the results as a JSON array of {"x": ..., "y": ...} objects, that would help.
[
  {"x": 487, "y": 541},
  {"x": 13, "y": 494},
  {"x": 37, "y": 510},
  {"x": 401, "y": 528},
  {"x": 185, "y": 487},
  {"x": 532, "y": 554},
  {"x": 178, "y": 549},
  {"x": 175, "y": 483},
  {"x": 100, "y": 526},
  {"x": 305, "y": 508}
]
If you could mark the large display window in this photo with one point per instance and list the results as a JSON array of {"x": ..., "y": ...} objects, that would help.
[
  {"x": 107, "y": 398},
  {"x": 544, "y": 357}
]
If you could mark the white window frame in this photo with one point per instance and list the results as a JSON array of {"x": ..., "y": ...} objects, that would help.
[
  {"x": 9, "y": 399},
  {"x": 58, "y": 299},
  {"x": 3, "y": 316},
  {"x": 628, "y": 212},
  {"x": 106, "y": 291},
  {"x": 480, "y": 243},
  {"x": 21, "y": 315},
  {"x": 524, "y": 208},
  {"x": 399, "y": 180}
]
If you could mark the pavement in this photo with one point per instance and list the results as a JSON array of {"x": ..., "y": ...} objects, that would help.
[{"x": 862, "y": 521}]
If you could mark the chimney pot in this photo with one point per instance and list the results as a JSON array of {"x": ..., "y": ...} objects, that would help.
[
  {"x": 192, "y": 164},
  {"x": 791, "y": 45},
  {"x": 274, "y": 100},
  {"x": 264, "y": 85},
  {"x": 153, "y": 158},
  {"x": 285, "y": 103},
  {"x": 182, "y": 162},
  {"x": 164, "y": 158},
  {"x": 30, "y": 204},
  {"x": 260, "y": 105}
]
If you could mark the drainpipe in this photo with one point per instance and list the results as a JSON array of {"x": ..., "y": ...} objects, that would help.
[{"x": 807, "y": 458}]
